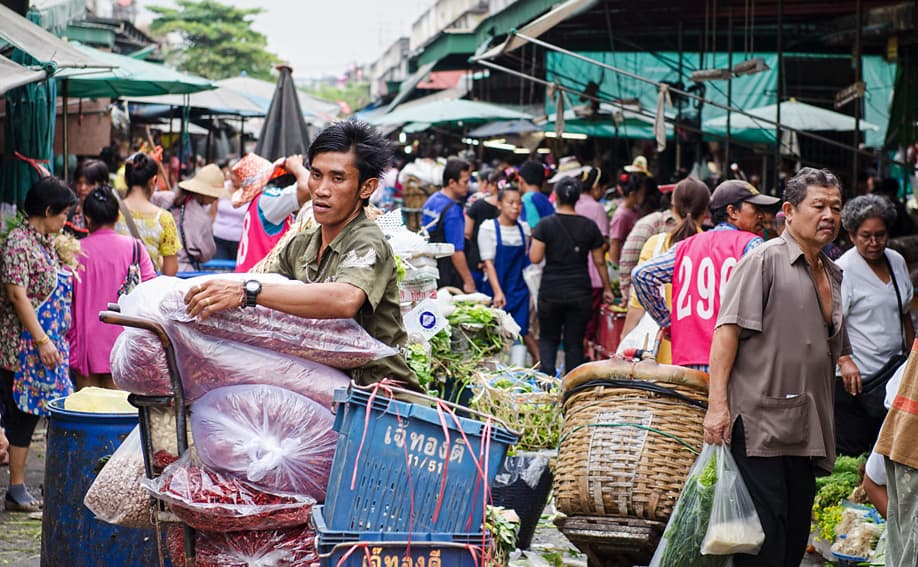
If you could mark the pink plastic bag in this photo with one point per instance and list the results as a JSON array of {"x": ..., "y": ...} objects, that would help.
[
  {"x": 339, "y": 343},
  {"x": 207, "y": 362},
  {"x": 269, "y": 436},
  {"x": 139, "y": 366},
  {"x": 278, "y": 548},
  {"x": 208, "y": 500}
]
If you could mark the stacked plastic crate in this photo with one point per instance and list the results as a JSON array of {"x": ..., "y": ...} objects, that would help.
[{"x": 408, "y": 480}]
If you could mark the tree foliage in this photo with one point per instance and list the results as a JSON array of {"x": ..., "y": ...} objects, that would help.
[{"x": 217, "y": 40}]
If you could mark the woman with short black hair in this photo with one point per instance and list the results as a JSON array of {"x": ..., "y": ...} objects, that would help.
[
  {"x": 565, "y": 240},
  {"x": 34, "y": 317},
  {"x": 111, "y": 266}
]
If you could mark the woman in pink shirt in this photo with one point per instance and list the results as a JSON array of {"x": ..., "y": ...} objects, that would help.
[{"x": 108, "y": 257}]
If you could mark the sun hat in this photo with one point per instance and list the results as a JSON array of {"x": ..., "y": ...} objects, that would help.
[
  {"x": 570, "y": 166},
  {"x": 207, "y": 181},
  {"x": 250, "y": 176},
  {"x": 736, "y": 190},
  {"x": 639, "y": 165}
]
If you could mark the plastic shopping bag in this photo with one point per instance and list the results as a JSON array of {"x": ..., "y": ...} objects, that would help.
[
  {"x": 116, "y": 496},
  {"x": 734, "y": 526},
  {"x": 642, "y": 336},
  {"x": 268, "y": 436},
  {"x": 680, "y": 545},
  {"x": 208, "y": 500}
]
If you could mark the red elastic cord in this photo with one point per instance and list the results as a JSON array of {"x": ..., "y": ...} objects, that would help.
[{"x": 359, "y": 545}]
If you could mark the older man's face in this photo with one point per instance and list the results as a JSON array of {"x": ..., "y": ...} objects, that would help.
[{"x": 816, "y": 220}]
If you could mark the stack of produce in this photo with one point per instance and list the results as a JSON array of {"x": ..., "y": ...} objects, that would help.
[
  {"x": 476, "y": 333},
  {"x": 844, "y": 527},
  {"x": 260, "y": 385}
]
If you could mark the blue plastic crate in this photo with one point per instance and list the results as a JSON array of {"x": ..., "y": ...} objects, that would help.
[
  {"x": 393, "y": 548},
  {"x": 404, "y": 460}
]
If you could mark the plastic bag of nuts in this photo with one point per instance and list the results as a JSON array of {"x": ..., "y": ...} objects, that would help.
[{"x": 116, "y": 495}]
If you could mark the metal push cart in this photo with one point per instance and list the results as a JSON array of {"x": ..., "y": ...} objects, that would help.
[{"x": 160, "y": 514}]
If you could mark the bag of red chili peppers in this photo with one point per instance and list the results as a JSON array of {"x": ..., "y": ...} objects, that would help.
[
  {"x": 279, "y": 548},
  {"x": 211, "y": 501}
]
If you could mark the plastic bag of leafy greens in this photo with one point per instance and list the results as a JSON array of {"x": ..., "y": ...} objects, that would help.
[
  {"x": 734, "y": 526},
  {"x": 686, "y": 529}
]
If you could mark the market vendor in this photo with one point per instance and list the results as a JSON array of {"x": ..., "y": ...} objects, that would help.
[{"x": 345, "y": 260}]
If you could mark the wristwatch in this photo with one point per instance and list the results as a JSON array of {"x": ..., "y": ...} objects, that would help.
[{"x": 252, "y": 288}]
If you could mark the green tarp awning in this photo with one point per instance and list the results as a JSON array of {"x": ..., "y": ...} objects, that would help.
[
  {"x": 450, "y": 112},
  {"x": 129, "y": 77},
  {"x": 749, "y": 91}
]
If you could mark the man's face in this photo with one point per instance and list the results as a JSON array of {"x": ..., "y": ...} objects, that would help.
[
  {"x": 748, "y": 217},
  {"x": 815, "y": 221},
  {"x": 334, "y": 182},
  {"x": 460, "y": 188}
]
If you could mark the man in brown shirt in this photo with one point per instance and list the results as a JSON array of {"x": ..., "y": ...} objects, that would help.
[{"x": 779, "y": 334}]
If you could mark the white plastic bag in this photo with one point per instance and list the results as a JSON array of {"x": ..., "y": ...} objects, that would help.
[
  {"x": 688, "y": 525},
  {"x": 642, "y": 336},
  {"x": 268, "y": 436},
  {"x": 734, "y": 526},
  {"x": 116, "y": 496}
]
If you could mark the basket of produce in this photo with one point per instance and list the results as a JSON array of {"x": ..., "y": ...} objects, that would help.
[
  {"x": 630, "y": 434},
  {"x": 525, "y": 399}
]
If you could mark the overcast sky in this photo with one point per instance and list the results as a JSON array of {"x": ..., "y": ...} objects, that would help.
[{"x": 322, "y": 37}]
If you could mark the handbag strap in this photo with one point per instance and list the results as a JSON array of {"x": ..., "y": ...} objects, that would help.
[
  {"x": 566, "y": 233},
  {"x": 126, "y": 213},
  {"x": 899, "y": 306}
]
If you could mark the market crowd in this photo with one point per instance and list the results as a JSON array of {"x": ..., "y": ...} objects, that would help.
[{"x": 802, "y": 339}]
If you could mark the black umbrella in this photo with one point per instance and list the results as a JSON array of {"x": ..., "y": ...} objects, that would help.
[{"x": 284, "y": 132}]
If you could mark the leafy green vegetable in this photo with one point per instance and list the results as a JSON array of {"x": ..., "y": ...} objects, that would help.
[
  {"x": 689, "y": 524},
  {"x": 400, "y": 270},
  {"x": 419, "y": 362}
]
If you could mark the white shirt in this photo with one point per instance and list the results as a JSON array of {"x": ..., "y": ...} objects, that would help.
[
  {"x": 277, "y": 206},
  {"x": 487, "y": 238},
  {"x": 228, "y": 224},
  {"x": 872, "y": 316}
]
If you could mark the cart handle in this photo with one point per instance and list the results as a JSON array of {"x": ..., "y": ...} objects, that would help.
[{"x": 175, "y": 378}]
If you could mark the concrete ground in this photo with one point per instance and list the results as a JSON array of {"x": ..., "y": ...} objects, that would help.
[{"x": 20, "y": 534}]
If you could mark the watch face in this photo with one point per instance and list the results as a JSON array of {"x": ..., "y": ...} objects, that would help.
[{"x": 252, "y": 286}]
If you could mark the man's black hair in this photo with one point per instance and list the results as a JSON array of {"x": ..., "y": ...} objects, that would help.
[
  {"x": 720, "y": 215},
  {"x": 371, "y": 151},
  {"x": 533, "y": 172},
  {"x": 453, "y": 170},
  {"x": 48, "y": 194}
]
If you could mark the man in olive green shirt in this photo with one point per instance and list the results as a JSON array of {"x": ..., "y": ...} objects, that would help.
[{"x": 345, "y": 259}]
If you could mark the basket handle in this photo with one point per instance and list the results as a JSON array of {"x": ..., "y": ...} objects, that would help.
[{"x": 435, "y": 401}]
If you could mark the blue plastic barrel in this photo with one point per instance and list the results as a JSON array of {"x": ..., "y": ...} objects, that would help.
[{"x": 70, "y": 534}]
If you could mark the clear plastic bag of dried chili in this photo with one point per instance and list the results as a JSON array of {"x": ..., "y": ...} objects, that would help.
[{"x": 211, "y": 501}]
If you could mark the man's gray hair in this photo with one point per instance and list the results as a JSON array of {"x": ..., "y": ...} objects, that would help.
[
  {"x": 795, "y": 188},
  {"x": 859, "y": 209}
]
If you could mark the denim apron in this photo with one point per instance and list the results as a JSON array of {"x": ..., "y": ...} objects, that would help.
[{"x": 509, "y": 262}]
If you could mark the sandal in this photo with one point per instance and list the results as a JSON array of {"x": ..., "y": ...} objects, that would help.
[{"x": 10, "y": 505}]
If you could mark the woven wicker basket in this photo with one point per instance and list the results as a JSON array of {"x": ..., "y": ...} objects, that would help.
[{"x": 626, "y": 447}]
